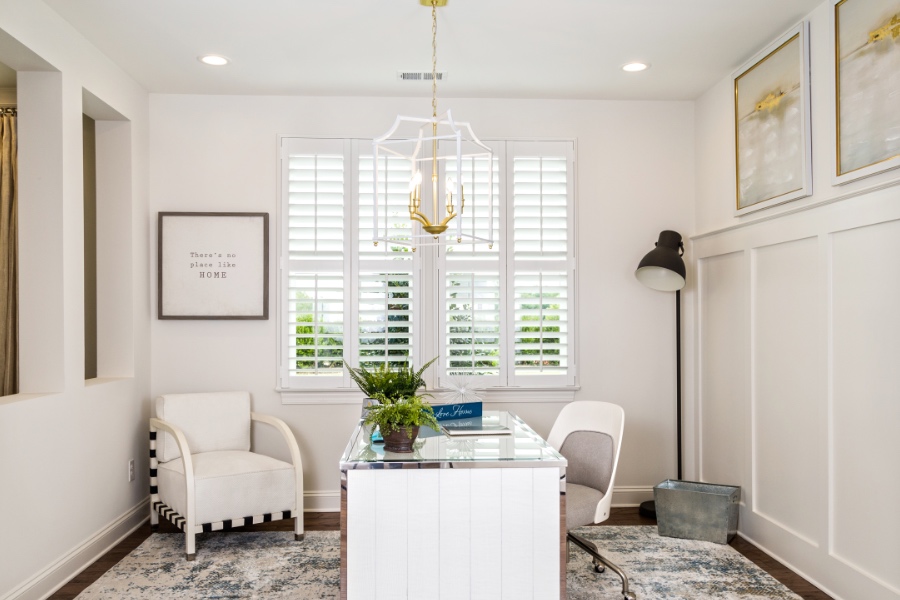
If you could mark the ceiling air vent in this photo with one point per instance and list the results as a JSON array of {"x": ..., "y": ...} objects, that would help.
[{"x": 420, "y": 76}]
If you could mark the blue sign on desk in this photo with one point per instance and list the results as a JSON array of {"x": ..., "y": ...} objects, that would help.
[{"x": 445, "y": 412}]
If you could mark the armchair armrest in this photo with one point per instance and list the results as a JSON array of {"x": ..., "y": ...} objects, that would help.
[
  {"x": 186, "y": 460},
  {"x": 291, "y": 442}
]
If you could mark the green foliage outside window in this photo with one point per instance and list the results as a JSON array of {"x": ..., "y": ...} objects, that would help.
[
  {"x": 396, "y": 324},
  {"x": 323, "y": 344},
  {"x": 542, "y": 329}
]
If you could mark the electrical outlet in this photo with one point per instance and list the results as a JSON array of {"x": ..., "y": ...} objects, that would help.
[{"x": 131, "y": 470}]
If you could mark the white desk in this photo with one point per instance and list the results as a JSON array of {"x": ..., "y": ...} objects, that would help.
[{"x": 460, "y": 518}]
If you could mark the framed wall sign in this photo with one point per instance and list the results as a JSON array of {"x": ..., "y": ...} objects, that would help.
[
  {"x": 213, "y": 265},
  {"x": 867, "y": 78},
  {"x": 771, "y": 124}
]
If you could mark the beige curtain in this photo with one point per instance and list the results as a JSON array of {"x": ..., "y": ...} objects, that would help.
[{"x": 9, "y": 284}]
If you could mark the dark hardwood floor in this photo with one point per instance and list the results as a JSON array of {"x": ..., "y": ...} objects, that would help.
[{"x": 331, "y": 522}]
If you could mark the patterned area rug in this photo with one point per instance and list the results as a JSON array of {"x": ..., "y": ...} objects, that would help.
[
  {"x": 271, "y": 565},
  {"x": 663, "y": 567}
]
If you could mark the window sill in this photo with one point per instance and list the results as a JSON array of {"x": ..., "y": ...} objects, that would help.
[{"x": 510, "y": 395}]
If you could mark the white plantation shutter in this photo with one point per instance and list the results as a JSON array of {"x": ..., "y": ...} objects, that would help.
[
  {"x": 316, "y": 207},
  {"x": 472, "y": 324},
  {"x": 315, "y": 324},
  {"x": 315, "y": 203},
  {"x": 541, "y": 278},
  {"x": 385, "y": 319},
  {"x": 475, "y": 218},
  {"x": 472, "y": 283},
  {"x": 386, "y": 296},
  {"x": 393, "y": 179},
  {"x": 540, "y": 208},
  {"x": 541, "y": 329}
]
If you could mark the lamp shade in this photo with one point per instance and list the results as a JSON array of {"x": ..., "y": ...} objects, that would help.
[{"x": 663, "y": 268}]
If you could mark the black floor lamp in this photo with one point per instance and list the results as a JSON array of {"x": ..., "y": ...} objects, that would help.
[{"x": 663, "y": 269}]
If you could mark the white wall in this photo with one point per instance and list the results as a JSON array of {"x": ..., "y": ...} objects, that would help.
[
  {"x": 635, "y": 178},
  {"x": 796, "y": 355},
  {"x": 64, "y": 442}
]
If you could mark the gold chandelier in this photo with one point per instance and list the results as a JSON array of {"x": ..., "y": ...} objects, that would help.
[{"x": 412, "y": 138}]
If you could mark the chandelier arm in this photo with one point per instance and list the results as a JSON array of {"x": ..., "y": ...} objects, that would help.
[
  {"x": 447, "y": 219},
  {"x": 417, "y": 216}
]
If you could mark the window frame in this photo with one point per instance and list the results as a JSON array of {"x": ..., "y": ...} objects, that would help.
[{"x": 429, "y": 269}]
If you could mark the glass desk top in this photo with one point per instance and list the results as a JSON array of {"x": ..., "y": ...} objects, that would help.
[{"x": 433, "y": 449}]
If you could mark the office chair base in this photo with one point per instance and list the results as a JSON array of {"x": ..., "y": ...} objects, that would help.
[
  {"x": 599, "y": 559},
  {"x": 648, "y": 509}
]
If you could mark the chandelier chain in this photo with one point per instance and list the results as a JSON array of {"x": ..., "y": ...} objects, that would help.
[{"x": 434, "y": 58}]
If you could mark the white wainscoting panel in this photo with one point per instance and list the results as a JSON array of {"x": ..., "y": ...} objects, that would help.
[
  {"x": 866, "y": 400},
  {"x": 723, "y": 368},
  {"x": 797, "y": 367},
  {"x": 789, "y": 392}
]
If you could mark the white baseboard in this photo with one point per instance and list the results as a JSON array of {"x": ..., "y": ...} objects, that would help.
[
  {"x": 322, "y": 501},
  {"x": 631, "y": 496},
  {"x": 54, "y": 576},
  {"x": 330, "y": 501}
]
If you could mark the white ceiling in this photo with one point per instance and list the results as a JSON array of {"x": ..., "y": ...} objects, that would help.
[{"x": 489, "y": 48}]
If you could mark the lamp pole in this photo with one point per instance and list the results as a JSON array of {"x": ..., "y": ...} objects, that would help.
[
  {"x": 663, "y": 269},
  {"x": 678, "y": 377}
]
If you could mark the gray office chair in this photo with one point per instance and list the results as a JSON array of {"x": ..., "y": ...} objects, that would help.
[{"x": 589, "y": 435}]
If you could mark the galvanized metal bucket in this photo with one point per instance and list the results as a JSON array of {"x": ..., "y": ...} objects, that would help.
[{"x": 697, "y": 511}]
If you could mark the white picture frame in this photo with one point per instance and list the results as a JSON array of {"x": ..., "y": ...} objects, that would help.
[
  {"x": 773, "y": 149},
  {"x": 867, "y": 81},
  {"x": 212, "y": 265}
]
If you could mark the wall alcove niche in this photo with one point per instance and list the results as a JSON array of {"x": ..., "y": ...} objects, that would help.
[{"x": 113, "y": 342}]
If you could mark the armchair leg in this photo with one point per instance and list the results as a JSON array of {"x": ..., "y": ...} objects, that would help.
[
  {"x": 591, "y": 549},
  {"x": 298, "y": 527},
  {"x": 190, "y": 543}
]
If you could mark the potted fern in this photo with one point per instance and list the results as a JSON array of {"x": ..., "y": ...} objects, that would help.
[{"x": 399, "y": 410}]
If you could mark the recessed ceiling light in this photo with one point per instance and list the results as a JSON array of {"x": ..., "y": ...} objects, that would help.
[
  {"x": 634, "y": 67},
  {"x": 213, "y": 60}
]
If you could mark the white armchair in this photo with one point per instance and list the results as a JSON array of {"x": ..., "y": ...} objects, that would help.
[{"x": 203, "y": 476}]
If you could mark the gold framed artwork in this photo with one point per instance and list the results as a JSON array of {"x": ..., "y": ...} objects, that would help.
[
  {"x": 867, "y": 78},
  {"x": 213, "y": 265},
  {"x": 771, "y": 124}
]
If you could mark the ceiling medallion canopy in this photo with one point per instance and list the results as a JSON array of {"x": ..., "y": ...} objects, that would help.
[{"x": 445, "y": 145}]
